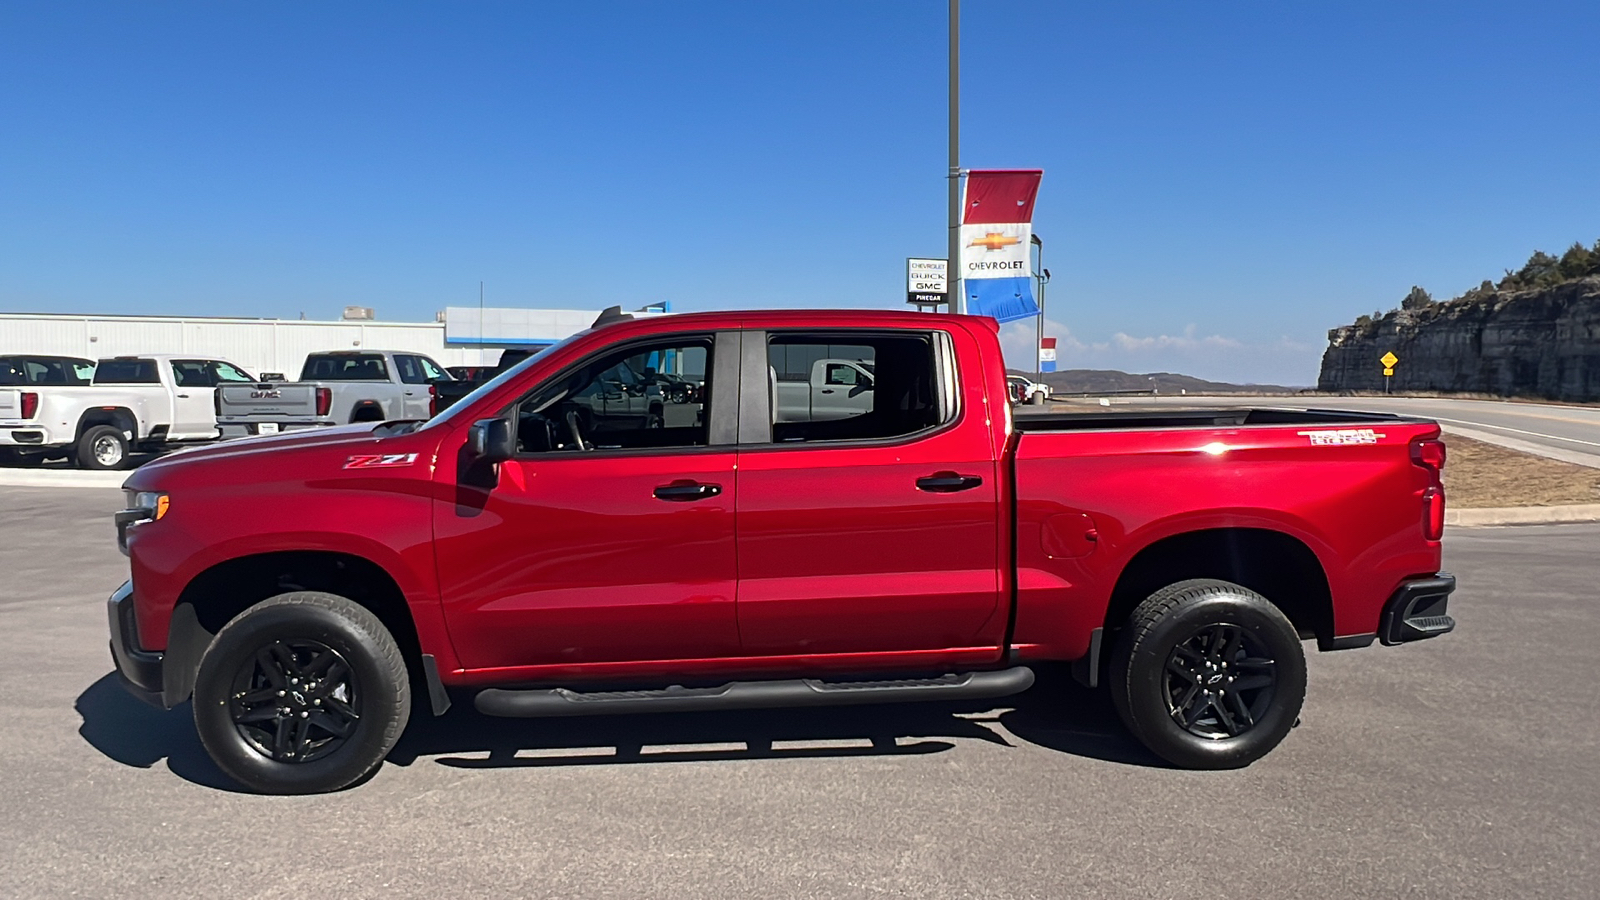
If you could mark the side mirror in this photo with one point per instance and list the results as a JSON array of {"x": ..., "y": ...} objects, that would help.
[{"x": 492, "y": 440}]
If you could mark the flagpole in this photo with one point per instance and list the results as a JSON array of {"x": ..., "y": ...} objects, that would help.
[{"x": 958, "y": 298}]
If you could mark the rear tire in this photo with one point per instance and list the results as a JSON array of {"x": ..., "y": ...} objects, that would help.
[
  {"x": 1208, "y": 674},
  {"x": 302, "y": 693},
  {"x": 103, "y": 448}
]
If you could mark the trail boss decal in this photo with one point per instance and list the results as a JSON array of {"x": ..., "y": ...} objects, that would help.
[
  {"x": 380, "y": 461},
  {"x": 1342, "y": 436}
]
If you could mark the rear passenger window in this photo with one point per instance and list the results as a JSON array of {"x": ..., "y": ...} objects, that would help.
[
  {"x": 844, "y": 388},
  {"x": 127, "y": 371}
]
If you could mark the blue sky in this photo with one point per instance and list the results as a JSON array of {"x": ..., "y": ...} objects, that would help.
[{"x": 1223, "y": 181}]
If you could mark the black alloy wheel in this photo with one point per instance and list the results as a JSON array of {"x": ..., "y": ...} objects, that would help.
[
  {"x": 296, "y": 701},
  {"x": 1208, "y": 674},
  {"x": 1219, "y": 682},
  {"x": 301, "y": 693}
]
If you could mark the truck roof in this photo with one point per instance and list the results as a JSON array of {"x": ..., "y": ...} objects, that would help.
[{"x": 804, "y": 318}]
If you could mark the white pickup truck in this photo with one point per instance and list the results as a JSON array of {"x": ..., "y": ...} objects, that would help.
[
  {"x": 836, "y": 389},
  {"x": 131, "y": 403},
  {"x": 335, "y": 388}
]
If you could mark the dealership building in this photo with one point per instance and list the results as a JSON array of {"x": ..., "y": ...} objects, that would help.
[{"x": 462, "y": 336}]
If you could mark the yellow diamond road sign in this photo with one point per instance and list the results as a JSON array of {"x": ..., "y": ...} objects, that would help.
[{"x": 1388, "y": 360}]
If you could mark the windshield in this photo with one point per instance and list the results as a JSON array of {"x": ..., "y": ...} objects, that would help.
[{"x": 494, "y": 383}]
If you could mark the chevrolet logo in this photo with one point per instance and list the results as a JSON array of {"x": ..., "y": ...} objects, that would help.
[{"x": 994, "y": 240}]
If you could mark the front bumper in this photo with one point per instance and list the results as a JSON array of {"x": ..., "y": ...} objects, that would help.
[
  {"x": 1417, "y": 611},
  {"x": 140, "y": 670}
]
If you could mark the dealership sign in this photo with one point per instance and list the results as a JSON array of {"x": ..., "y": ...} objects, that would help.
[{"x": 927, "y": 281}]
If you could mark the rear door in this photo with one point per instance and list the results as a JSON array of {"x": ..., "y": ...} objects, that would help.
[{"x": 874, "y": 532}]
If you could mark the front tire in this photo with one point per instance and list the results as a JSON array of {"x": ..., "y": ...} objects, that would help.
[
  {"x": 302, "y": 693},
  {"x": 1208, "y": 674},
  {"x": 103, "y": 448}
]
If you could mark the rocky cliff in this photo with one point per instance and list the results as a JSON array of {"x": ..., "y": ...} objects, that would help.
[{"x": 1529, "y": 343}]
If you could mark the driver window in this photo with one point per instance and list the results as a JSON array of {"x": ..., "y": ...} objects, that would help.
[
  {"x": 191, "y": 373},
  {"x": 642, "y": 397},
  {"x": 838, "y": 374}
]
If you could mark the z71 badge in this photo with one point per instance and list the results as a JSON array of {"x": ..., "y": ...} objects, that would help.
[{"x": 380, "y": 461}]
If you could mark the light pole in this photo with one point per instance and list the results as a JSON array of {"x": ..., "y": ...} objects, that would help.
[
  {"x": 1043, "y": 275},
  {"x": 958, "y": 302}
]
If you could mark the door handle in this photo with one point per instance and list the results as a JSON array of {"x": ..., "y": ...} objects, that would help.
[
  {"x": 183, "y": 396},
  {"x": 827, "y": 390},
  {"x": 947, "y": 482},
  {"x": 685, "y": 491}
]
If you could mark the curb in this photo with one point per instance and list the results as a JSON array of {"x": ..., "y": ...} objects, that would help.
[
  {"x": 1576, "y": 457},
  {"x": 1522, "y": 515},
  {"x": 65, "y": 478}
]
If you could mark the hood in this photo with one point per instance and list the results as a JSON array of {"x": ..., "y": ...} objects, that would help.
[{"x": 262, "y": 453}]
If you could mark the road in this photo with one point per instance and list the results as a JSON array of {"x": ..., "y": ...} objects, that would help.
[
  {"x": 1458, "y": 768},
  {"x": 1570, "y": 433}
]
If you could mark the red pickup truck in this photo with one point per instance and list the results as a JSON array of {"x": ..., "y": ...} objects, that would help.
[{"x": 556, "y": 545}]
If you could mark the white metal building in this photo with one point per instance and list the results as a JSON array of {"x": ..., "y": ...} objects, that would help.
[{"x": 465, "y": 336}]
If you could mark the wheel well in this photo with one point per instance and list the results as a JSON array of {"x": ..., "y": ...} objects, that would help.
[
  {"x": 1271, "y": 563},
  {"x": 229, "y": 588},
  {"x": 119, "y": 418},
  {"x": 367, "y": 411}
]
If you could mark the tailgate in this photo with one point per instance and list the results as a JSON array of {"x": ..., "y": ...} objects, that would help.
[
  {"x": 10, "y": 403},
  {"x": 267, "y": 402}
]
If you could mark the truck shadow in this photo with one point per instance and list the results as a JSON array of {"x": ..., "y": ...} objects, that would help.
[
  {"x": 139, "y": 735},
  {"x": 1055, "y": 714}
]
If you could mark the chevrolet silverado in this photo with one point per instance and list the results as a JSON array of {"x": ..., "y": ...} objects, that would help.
[{"x": 928, "y": 545}]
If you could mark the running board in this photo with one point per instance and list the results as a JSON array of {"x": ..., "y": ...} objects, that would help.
[{"x": 751, "y": 695}]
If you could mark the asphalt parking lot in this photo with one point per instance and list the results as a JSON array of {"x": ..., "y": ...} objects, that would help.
[{"x": 1463, "y": 767}]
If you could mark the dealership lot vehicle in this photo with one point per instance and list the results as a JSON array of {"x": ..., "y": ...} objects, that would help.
[
  {"x": 928, "y": 548},
  {"x": 468, "y": 378},
  {"x": 1023, "y": 390},
  {"x": 336, "y": 388},
  {"x": 835, "y": 389},
  {"x": 130, "y": 403}
]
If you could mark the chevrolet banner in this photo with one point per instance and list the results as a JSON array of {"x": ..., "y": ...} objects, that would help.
[{"x": 996, "y": 229}]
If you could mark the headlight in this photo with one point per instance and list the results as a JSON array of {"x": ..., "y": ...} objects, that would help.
[
  {"x": 153, "y": 503},
  {"x": 143, "y": 506}
]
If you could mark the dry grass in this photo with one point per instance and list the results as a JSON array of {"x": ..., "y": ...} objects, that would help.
[{"x": 1478, "y": 475}]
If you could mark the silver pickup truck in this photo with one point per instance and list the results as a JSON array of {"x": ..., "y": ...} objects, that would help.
[{"x": 335, "y": 388}]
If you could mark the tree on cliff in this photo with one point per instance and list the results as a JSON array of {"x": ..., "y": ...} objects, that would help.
[
  {"x": 1543, "y": 270},
  {"x": 1417, "y": 299}
]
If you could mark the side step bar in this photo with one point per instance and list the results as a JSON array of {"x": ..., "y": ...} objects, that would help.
[{"x": 751, "y": 695}]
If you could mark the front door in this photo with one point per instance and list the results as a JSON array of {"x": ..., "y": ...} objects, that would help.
[
  {"x": 193, "y": 411},
  {"x": 597, "y": 546},
  {"x": 873, "y": 532},
  {"x": 417, "y": 374}
]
